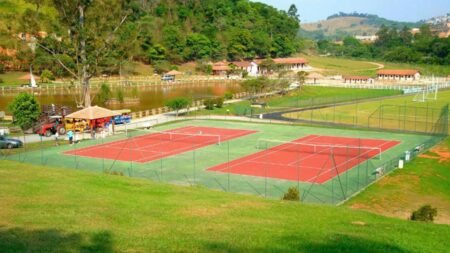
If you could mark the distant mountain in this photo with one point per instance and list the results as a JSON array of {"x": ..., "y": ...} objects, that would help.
[{"x": 340, "y": 25}]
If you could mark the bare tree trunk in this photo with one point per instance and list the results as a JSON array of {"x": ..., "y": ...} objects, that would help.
[{"x": 85, "y": 76}]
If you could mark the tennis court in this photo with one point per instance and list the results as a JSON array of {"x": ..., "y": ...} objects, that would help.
[
  {"x": 313, "y": 158},
  {"x": 150, "y": 145}
]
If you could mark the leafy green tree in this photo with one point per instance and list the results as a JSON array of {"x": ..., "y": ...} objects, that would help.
[
  {"x": 88, "y": 30},
  {"x": 268, "y": 65},
  {"x": 25, "y": 110},
  {"x": 47, "y": 76},
  {"x": 198, "y": 46},
  {"x": 178, "y": 104},
  {"x": 293, "y": 12}
]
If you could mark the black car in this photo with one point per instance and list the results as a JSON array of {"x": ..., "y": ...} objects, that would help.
[{"x": 9, "y": 143}]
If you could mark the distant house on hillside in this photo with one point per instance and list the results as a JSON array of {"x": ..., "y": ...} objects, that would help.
[
  {"x": 220, "y": 68},
  {"x": 250, "y": 67},
  {"x": 253, "y": 69},
  {"x": 292, "y": 64},
  {"x": 398, "y": 74}
]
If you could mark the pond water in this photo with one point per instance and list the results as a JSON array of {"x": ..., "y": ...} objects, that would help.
[{"x": 149, "y": 96}]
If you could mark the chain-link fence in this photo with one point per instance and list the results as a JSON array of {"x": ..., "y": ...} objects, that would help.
[{"x": 132, "y": 151}]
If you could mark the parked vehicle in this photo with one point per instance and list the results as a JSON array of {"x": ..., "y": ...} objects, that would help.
[
  {"x": 53, "y": 125},
  {"x": 9, "y": 143},
  {"x": 51, "y": 120},
  {"x": 168, "y": 78}
]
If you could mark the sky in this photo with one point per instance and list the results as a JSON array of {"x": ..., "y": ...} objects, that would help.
[{"x": 398, "y": 10}]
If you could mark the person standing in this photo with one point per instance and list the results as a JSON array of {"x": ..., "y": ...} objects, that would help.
[
  {"x": 70, "y": 135},
  {"x": 56, "y": 138}
]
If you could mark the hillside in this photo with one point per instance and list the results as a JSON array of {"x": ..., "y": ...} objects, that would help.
[
  {"x": 157, "y": 31},
  {"x": 340, "y": 26},
  {"x": 56, "y": 210}
]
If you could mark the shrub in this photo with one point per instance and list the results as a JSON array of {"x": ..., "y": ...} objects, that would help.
[
  {"x": 25, "y": 110},
  {"x": 219, "y": 102},
  {"x": 177, "y": 104},
  {"x": 47, "y": 76},
  {"x": 1, "y": 80},
  {"x": 228, "y": 95},
  {"x": 104, "y": 94},
  {"x": 425, "y": 213},
  {"x": 292, "y": 194},
  {"x": 209, "y": 104},
  {"x": 2, "y": 68}
]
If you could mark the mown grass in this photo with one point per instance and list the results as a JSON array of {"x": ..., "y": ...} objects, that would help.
[
  {"x": 306, "y": 96},
  {"x": 12, "y": 79},
  {"x": 341, "y": 66},
  {"x": 56, "y": 210},
  {"x": 345, "y": 66},
  {"x": 423, "y": 181},
  {"x": 359, "y": 113}
]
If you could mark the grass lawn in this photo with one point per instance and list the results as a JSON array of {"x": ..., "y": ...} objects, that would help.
[
  {"x": 343, "y": 66},
  {"x": 359, "y": 113},
  {"x": 424, "y": 181},
  {"x": 57, "y": 210},
  {"x": 11, "y": 79},
  {"x": 307, "y": 96}
]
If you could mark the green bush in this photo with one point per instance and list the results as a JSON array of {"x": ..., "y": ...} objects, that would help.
[
  {"x": 2, "y": 68},
  {"x": 104, "y": 94},
  {"x": 219, "y": 102},
  {"x": 228, "y": 95},
  {"x": 425, "y": 213},
  {"x": 47, "y": 76},
  {"x": 292, "y": 194},
  {"x": 209, "y": 104}
]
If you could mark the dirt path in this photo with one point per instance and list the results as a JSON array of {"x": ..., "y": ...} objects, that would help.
[{"x": 379, "y": 65}]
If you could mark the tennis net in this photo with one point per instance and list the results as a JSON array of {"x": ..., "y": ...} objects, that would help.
[
  {"x": 189, "y": 137},
  {"x": 327, "y": 149}
]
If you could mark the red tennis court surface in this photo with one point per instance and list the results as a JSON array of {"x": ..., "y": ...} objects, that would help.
[
  {"x": 307, "y": 159},
  {"x": 152, "y": 146}
]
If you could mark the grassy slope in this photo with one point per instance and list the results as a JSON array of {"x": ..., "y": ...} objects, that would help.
[
  {"x": 343, "y": 66},
  {"x": 346, "y": 113},
  {"x": 327, "y": 94},
  {"x": 54, "y": 210},
  {"x": 424, "y": 181},
  {"x": 11, "y": 79}
]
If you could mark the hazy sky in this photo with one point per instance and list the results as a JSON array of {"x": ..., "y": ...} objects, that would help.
[{"x": 399, "y": 10}]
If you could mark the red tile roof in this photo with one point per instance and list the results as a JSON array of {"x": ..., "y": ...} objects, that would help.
[
  {"x": 242, "y": 64},
  {"x": 397, "y": 72},
  {"x": 221, "y": 66},
  {"x": 290, "y": 61}
]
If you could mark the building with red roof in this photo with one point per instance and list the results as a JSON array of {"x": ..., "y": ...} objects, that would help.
[{"x": 398, "y": 74}]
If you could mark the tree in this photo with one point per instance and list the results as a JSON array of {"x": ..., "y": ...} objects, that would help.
[
  {"x": 88, "y": 30},
  {"x": 268, "y": 65},
  {"x": 25, "y": 110},
  {"x": 177, "y": 104},
  {"x": 47, "y": 76},
  {"x": 293, "y": 12}
]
